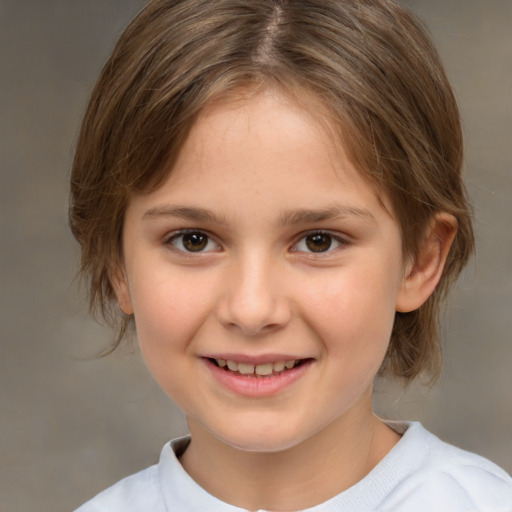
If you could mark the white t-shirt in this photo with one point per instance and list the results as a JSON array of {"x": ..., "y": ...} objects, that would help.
[{"x": 420, "y": 474}]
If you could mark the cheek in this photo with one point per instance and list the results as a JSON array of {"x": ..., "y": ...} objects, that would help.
[
  {"x": 169, "y": 309},
  {"x": 168, "y": 315},
  {"x": 353, "y": 312}
]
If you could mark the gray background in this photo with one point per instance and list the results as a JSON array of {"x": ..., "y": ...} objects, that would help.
[{"x": 72, "y": 424}]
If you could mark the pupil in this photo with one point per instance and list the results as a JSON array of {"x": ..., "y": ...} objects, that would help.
[
  {"x": 319, "y": 242},
  {"x": 195, "y": 241}
]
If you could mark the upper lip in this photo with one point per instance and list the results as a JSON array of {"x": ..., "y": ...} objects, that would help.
[{"x": 255, "y": 359}]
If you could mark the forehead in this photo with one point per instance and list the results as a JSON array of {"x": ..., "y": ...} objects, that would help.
[{"x": 265, "y": 146}]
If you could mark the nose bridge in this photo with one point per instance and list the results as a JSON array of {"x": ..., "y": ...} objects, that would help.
[{"x": 255, "y": 299}]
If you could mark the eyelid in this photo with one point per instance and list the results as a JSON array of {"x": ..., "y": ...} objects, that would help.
[
  {"x": 170, "y": 237},
  {"x": 343, "y": 240}
]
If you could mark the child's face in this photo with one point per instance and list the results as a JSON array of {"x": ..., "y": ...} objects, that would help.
[{"x": 263, "y": 247}]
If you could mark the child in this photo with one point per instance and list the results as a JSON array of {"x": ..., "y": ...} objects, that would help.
[{"x": 270, "y": 192}]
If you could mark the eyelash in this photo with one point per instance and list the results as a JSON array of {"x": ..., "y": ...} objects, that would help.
[
  {"x": 337, "y": 240},
  {"x": 203, "y": 243},
  {"x": 179, "y": 235}
]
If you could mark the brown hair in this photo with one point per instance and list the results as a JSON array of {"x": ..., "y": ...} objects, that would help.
[{"x": 368, "y": 62}]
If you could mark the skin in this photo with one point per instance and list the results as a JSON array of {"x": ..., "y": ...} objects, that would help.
[{"x": 245, "y": 178}]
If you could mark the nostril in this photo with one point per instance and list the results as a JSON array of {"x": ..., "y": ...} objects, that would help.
[{"x": 253, "y": 308}]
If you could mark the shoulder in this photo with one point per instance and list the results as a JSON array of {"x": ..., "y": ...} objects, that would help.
[
  {"x": 158, "y": 488},
  {"x": 134, "y": 493},
  {"x": 164, "y": 487},
  {"x": 453, "y": 479}
]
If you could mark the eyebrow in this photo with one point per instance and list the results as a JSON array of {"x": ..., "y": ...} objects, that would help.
[
  {"x": 183, "y": 212},
  {"x": 289, "y": 217},
  {"x": 306, "y": 216}
]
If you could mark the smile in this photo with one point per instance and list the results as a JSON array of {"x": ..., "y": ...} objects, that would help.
[
  {"x": 255, "y": 378},
  {"x": 261, "y": 370}
]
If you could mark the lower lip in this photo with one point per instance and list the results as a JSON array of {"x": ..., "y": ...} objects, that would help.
[{"x": 255, "y": 386}]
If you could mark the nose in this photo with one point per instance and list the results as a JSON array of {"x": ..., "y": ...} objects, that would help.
[{"x": 254, "y": 299}]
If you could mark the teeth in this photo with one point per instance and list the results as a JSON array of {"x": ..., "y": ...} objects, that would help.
[
  {"x": 280, "y": 366},
  {"x": 258, "y": 369},
  {"x": 264, "y": 369},
  {"x": 245, "y": 369}
]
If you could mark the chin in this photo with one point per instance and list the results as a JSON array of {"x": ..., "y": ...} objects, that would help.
[{"x": 260, "y": 440}]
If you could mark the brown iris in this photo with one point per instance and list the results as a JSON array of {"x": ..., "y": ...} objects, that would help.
[
  {"x": 319, "y": 242},
  {"x": 195, "y": 242}
]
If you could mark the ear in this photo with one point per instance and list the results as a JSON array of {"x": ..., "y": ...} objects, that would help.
[
  {"x": 119, "y": 283},
  {"x": 422, "y": 274}
]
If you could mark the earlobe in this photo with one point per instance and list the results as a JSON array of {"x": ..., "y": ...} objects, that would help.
[
  {"x": 423, "y": 273},
  {"x": 121, "y": 289}
]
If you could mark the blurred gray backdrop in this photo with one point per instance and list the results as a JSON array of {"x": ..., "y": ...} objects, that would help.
[{"x": 71, "y": 424}]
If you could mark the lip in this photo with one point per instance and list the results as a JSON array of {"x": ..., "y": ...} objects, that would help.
[
  {"x": 255, "y": 386},
  {"x": 255, "y": 359}
]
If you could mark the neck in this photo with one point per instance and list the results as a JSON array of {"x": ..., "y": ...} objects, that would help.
[{"x": 310, "y": 473}]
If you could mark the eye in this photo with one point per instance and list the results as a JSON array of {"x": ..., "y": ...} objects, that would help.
[
  {"x": 318, "y": 242},
  {"x": 193, "y": 241}
]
